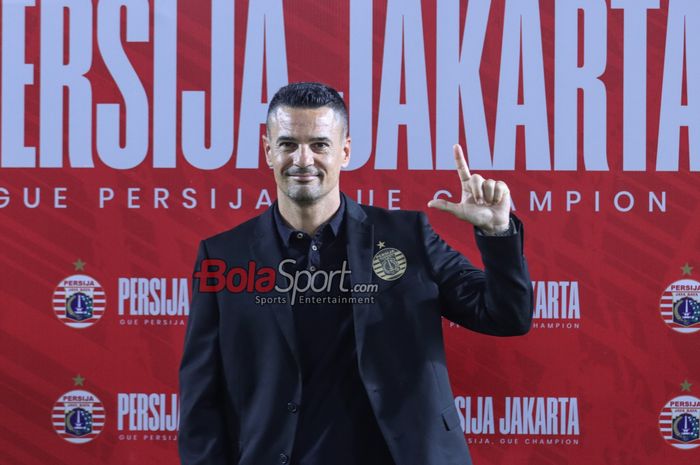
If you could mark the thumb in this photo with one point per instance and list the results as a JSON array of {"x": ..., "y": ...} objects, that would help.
[{"x": 444, "y": 205}]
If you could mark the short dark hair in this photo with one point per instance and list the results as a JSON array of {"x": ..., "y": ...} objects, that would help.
[{"x": 309, "y": 95}]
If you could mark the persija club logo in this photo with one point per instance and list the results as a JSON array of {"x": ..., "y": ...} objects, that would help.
[
  {"x": 679, "y": 422},
  {"x": 680, "y": 306},
  {"x": 78, "y": 416},
  {"x": 79, "y": 301}
]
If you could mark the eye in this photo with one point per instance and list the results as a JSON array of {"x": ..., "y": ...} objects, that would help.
[
  {"x": 287, "y": 145},
  {"x": 320, "y": 145}
]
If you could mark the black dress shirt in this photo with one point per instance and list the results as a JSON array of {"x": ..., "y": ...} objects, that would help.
[{"x": 336, "y": 424}]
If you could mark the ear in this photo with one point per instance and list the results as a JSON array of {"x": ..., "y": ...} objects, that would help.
[
  {"x": 268, "y": 150},
  {"x": 346, "y": 152}
]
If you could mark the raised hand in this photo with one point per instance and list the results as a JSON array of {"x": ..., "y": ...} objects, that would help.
[{"x": 485, "y": 203}]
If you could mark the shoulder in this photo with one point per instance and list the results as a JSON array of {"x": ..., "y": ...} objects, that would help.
[
  {"x": 403, "y": 227},
  {"x": 402, "y": 218},
  {"x": 238, "y": 235}
]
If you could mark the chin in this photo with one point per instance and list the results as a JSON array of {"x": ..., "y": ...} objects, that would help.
[{"x": 304, "y": 195}]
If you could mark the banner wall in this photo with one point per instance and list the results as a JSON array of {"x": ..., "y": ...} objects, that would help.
[{"x": 130, "y": 130}]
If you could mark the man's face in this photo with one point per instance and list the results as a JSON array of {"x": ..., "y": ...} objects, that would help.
[{"x": 306, "y": 147}]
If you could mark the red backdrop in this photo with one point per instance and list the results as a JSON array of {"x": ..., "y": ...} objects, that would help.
[{"x": 613, "y": 342}]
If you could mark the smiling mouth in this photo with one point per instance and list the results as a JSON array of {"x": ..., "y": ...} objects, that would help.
[{"x": 303, "y": 177}]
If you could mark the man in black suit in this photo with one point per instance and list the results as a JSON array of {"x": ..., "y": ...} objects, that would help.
[{"x": 327, "y": 374}]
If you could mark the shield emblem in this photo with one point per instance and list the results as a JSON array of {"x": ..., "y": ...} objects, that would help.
[{"x": 79, "y": 305}]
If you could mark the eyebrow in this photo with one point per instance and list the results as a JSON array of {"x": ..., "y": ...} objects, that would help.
[{"x": 292, "y": 139}]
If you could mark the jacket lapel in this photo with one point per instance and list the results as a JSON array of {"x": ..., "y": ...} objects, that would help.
[
  {"x": 360, "y": 234},
  {"x": 266, "y": 251}
]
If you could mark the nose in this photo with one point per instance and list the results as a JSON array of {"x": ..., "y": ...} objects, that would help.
[{"x": 304, "y": 156}]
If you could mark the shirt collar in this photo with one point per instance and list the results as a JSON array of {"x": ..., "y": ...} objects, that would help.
[{"x": 333, "y": 224}]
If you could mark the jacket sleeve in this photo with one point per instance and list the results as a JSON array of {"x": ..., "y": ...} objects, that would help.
[
  {"x": 205, "y": 435},
  {"x": 497, "y": 300}
]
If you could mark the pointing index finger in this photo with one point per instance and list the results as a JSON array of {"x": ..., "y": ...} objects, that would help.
[{"x": 461, "y": 162}]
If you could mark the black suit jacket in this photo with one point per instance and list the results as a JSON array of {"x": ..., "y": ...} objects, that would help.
[{"x": 240, "y": 370}]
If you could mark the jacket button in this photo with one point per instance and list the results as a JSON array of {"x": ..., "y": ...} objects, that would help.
[
  {"x": 292, "y": 407},
  {"x": 284, "y": 458}
]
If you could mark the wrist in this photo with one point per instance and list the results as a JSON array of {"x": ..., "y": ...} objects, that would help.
[{"x": 496, "y": 229}]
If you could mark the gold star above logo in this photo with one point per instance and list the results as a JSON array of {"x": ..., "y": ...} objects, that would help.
[
  {"x": 381, "y": 244},
  {"x": 78, "y": 380},
  {"x": 686, "y": 269},
  {"x": 685, "y": 385},
  {"x": 79, "y": 265}
]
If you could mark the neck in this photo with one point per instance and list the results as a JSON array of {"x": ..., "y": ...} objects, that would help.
[{"x": 308, "y": 217}]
